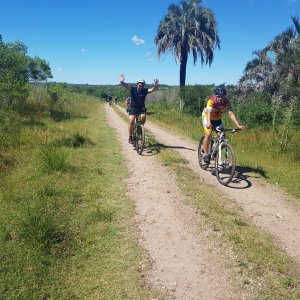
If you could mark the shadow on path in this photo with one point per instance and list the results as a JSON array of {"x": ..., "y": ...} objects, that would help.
[
  {"x": 241, "y": 179},
  {"x": 153, "y": 149}
]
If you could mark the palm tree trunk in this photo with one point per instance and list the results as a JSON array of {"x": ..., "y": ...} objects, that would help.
[{"x": 184, "y": 58}]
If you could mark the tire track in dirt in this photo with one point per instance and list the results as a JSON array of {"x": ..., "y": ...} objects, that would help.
[{"x": 185, "y": 263}]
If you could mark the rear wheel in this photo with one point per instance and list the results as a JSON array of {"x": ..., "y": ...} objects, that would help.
[
  {"x": 225, "y": 163},
  {"x": 202, "y": 164},
  {"x": 140, "y": 138}
]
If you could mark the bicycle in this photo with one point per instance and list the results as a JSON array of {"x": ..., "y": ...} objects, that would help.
[
  {"x": 222, "y": 153},
  {"x": 139, "y": 133}
]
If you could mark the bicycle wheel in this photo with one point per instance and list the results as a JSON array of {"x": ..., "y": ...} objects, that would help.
[
  {"x": 202, "y": 164},
  {"x": 225, "y": 163},
  {"x": 140, "y": 138}
]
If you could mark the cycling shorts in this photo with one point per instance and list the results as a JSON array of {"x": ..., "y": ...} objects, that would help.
[
  {"x": 136, "y": 111},
  {"x": 214, "y": 123}
]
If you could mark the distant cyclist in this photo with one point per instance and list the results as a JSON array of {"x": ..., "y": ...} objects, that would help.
[
  {"x": 110, "y": 100},
  {"x": 216, "y": 106},
  {"x": 137, "y": 106},
  {"x": 127, "y": 103}
]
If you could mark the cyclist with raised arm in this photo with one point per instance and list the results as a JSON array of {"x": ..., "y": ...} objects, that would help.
[
  {"x": 137, "y": 104},
  {"x": 212, "y": 114}
]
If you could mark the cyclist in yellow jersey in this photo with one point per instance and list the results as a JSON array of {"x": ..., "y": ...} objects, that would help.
[{"x": 212, "y": 114}]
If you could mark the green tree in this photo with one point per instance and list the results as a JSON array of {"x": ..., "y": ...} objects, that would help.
[
  {"x": 17, "y": 70},
  {"x": 13, "y": 77},
  {"x": 276, "y": 64},
  {"x": 189, "y": 27},
  {"x": 38, "y": 69}
]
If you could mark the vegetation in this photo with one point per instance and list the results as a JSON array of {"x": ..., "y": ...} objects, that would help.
[
  {"x": 189, "y": 27},
  {"x": 66, "y": 229}
]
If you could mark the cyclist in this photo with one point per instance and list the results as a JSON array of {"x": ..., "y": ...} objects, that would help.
[
  {"x": 127, "y": 103},
  {"x": 212, "y": 114},
  {"x": 110, "y": 100},
  {"x": 137, "y": 106}
]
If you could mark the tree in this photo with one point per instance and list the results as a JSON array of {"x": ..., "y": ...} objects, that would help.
[
  {"x": 17, "y": 70},
  {"x": 38, "y": 69},
  {"x": 188, "y": 28},
  {"x": 277, "y": 63}
]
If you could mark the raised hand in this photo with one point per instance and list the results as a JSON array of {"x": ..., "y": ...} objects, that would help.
[{"x": 122, "y": 78}]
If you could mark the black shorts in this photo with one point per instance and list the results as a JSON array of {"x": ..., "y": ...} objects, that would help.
[
  {"x": 136, "y": 111},
  {"x": 216, "y": 123}
]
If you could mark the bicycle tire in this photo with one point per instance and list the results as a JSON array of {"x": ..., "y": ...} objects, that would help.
[
  {"x": 202, "y": 164},
  {"x": 225, "y": 163},
  {"x": 139, "y": 138}
]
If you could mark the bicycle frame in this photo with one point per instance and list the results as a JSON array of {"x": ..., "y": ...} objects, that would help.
[
  {"x": 222, "y": 153},
  {"x": 139, "y": 133}
]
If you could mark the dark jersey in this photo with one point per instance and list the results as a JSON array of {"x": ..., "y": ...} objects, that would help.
[{"x": 138, "y": 97}]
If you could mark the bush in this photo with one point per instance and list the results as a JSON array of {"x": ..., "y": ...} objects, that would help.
[
  {"x": 53, "y": 158},
  {"x": 255, "y": 114}
]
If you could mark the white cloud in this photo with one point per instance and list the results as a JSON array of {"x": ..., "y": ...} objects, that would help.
[
  {"x": 82, "y": 50},
  {"x": 136, "y": 40},
  {"x": 60, "y": 69},
  {"x": 150, "y": 56}
]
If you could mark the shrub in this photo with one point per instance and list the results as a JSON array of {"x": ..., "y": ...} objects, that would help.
[{"x": 53, "y": 158}]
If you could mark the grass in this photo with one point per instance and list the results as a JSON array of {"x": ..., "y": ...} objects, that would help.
[
  {"x": 66, "y": 225},
  {"x": 258, "y": 150},
  {"x": 260, "y": 266}
]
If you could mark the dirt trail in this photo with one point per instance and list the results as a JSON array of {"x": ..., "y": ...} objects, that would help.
[{"x": 185, "y": 263}]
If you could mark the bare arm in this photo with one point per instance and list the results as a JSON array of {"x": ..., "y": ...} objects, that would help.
[
  {"x": 235, "y": 120},
  {"x": 155, "y": 86},
  {"x": 208, "y": 122},
  {"x": 122, "y": 82}
]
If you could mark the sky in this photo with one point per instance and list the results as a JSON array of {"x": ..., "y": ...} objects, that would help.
[{"x": 93, "y": 41}]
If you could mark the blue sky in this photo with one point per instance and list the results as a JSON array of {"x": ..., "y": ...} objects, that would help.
[{"x": 93, "y": 41}]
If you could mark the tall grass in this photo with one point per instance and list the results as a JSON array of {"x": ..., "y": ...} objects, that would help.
[
  {"x": 66, "y": 227},
  {"x": 53, "y": 158}
]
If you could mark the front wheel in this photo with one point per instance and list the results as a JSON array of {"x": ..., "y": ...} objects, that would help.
[
  {"x": 139, "y": 138},
  {"x": 225, "y": 163}
]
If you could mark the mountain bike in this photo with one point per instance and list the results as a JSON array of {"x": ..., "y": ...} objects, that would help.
[
  {"x": 221, "y": 152},
  {"x": 139, "y": 134}
]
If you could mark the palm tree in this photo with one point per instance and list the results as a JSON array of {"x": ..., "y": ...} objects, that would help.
[
  {"x": 188, "y": 28},
  {"x": 277, "y": 63}
]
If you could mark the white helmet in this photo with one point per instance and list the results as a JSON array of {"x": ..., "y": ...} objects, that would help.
[{"x": 140, "y": 81}]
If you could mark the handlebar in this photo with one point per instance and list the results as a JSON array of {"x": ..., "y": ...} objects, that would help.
[{"x": 233, "y": 130}]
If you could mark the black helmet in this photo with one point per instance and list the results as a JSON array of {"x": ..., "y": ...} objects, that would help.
[{"x": 220, "y": 90}]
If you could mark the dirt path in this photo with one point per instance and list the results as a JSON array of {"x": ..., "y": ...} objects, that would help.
[{"x": 182, "y": 256}]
